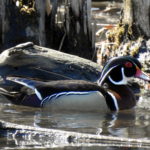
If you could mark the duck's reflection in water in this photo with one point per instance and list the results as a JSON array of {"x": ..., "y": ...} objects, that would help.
[{"x": 110, "y": 123}]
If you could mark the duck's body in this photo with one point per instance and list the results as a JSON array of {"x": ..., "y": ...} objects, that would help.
[
  {"x": 75, "y": 95},
  {"x": 96, "y": 99},
  {"x": 79, "y": 95}
]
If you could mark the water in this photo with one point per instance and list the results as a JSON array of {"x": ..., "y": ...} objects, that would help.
[{"x": 129, "y": 124}]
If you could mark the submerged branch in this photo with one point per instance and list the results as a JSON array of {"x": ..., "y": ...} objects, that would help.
[{"x": 44, "y": 137}]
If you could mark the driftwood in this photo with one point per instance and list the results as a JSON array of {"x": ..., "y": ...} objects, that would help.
[
  {"x": 29, "y": 136},
  {"x": 29, "y": 60}
]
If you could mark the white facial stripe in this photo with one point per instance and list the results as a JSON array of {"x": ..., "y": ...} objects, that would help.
[
  {"x": 115, "y": 101},
  {"x": 103, "y": 78},
  {"x": 123, "y": 81}
]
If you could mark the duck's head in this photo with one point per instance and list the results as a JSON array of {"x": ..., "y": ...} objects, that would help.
[{"x": 119, "y": 70}]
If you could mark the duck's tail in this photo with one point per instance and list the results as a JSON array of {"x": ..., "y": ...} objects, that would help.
[
  {"x": 6, "y": 93},
  {"x": 10, "y": 92}
]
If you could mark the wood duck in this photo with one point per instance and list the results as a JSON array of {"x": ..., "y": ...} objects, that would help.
[{"x": 109, "y": 93}]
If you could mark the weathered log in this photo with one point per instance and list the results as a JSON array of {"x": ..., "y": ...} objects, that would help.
[
  {"x": 28, "y": 136},
  {"x": 33, "y": 61}
]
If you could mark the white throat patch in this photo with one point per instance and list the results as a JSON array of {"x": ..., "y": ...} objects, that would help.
[{"x": 124, "y": 80}]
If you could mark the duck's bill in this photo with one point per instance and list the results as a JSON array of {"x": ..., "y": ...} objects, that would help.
[{"x": 142, "y": 75}]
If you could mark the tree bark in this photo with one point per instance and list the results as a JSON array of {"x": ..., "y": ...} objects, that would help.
[{"x": 137, "y": 12}]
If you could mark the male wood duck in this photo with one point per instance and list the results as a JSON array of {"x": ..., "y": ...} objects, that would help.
[{"x": 79, "y": 95}]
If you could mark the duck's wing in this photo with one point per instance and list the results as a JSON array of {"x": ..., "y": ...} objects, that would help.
[
  {"x": 44, "y": 89},
  {"x": 31, "y": 84}
]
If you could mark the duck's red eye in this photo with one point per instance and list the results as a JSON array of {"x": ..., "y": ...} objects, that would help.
[{"x": 128, "y": 64}]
